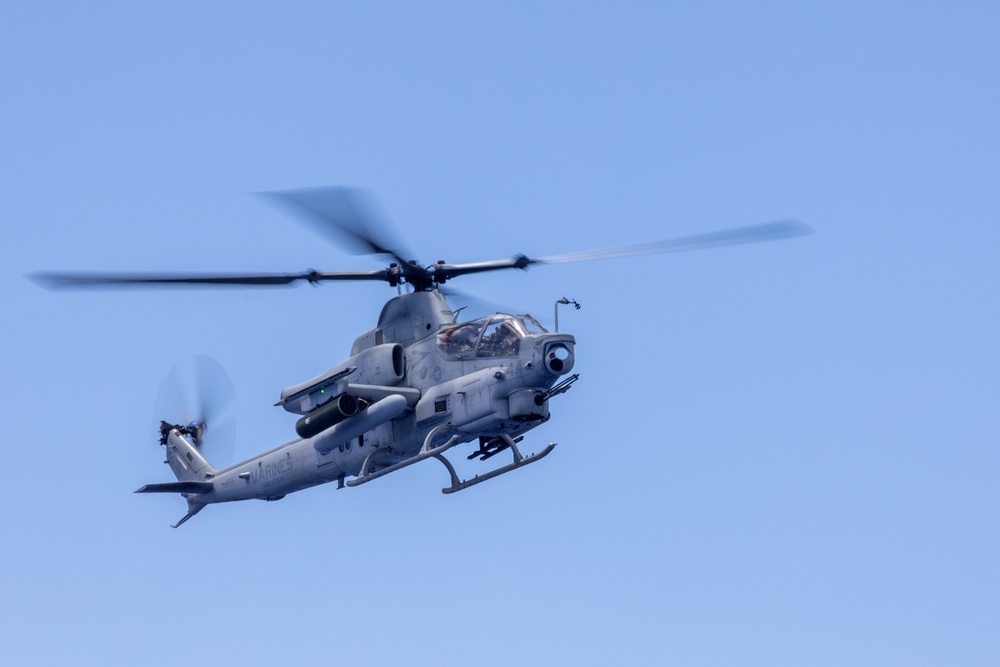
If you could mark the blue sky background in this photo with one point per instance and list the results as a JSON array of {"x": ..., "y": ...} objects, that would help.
[{"x": 777, "y": 454}]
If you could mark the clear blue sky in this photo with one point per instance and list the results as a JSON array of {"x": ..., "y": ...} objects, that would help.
[{"x": 777, "y": 454}]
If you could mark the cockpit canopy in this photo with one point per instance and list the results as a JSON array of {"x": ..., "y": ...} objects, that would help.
[{"x": 492, "y": 336}]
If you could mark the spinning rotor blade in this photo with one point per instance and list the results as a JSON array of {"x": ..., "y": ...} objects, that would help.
[
  {"x": 52, "y": 281},
  {"x": 771, "y": 231},
  {"x": 347, "y": 218},
  {"x": 344, "y": 216},
  {"x": 200, "y": 392},
  {"x": 475, "y": 304},
  {"x": 215, "y": 391}
]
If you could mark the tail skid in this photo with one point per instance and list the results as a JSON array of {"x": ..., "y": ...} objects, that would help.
[{"x": 193, "y": 508}]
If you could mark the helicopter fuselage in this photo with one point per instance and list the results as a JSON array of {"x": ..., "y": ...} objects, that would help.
[{"x": 421, "y": 381}]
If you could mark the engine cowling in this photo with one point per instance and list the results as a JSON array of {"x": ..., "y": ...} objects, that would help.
[{"x": 382, "y": 365}]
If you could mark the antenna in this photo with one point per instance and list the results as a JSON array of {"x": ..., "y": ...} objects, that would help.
[{"x": 564, "y": 302}]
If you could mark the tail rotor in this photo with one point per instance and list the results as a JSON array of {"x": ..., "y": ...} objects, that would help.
[{"x": 197, "y": 398}]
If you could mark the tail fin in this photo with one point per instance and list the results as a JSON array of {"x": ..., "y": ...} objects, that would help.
[{"x": 185, "y": 460}]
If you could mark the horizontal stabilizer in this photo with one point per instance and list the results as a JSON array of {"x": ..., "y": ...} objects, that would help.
[{"x": 177, "y": 487}]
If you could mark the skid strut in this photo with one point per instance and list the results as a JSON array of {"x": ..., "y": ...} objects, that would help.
[{"x": 425, "y": 453}]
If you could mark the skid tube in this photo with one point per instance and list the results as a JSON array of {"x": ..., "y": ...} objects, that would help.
[
  {"x": 519, "y": 462},
  {"x": 427, "y": 452}
]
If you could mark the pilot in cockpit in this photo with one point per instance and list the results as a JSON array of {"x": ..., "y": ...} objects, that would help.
[
  {"x": 502, "y": 341},
  {"x": 460, "y": 339}
]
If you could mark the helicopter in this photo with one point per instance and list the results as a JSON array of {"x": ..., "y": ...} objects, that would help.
[{"x": 414, "y": 387}]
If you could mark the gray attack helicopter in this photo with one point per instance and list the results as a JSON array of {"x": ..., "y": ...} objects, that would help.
[{"x": 415, "y": 386}]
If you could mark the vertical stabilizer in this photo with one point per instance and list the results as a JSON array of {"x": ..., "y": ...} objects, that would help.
[{"x": 185, "y": 460}]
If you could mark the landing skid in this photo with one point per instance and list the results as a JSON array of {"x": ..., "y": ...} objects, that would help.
[
  {"x": 487, "y": 449},
  {"x": 519, "y": 461}
]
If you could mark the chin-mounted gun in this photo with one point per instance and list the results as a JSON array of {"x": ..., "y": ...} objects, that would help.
[{"x": 560, "y": 388}]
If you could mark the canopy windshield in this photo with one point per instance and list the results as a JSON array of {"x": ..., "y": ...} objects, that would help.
[{"x": 492, "y": 336}]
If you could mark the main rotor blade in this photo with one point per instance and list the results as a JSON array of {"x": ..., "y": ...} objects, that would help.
[
  {"x": 476, "y": 304},
  {"x": 444, "y": 272},
  {"x": 344, "y": 216},
  {"x": 53, "y": 281},
  {"x": 769, "y": 231}
]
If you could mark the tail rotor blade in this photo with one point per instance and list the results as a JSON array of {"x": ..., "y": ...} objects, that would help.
[
  {"x": 198, "y": 393},
  {"x": 216, "y": 392}
]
